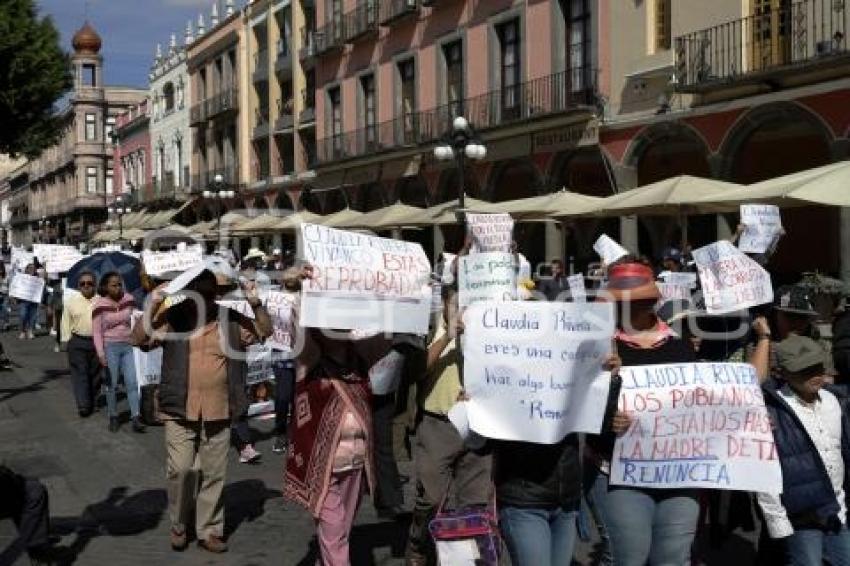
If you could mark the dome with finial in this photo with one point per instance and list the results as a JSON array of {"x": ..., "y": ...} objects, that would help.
[{"x": 86, "y": 41}]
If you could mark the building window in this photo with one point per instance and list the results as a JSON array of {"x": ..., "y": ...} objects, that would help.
[
  {"x": 577, "y": 15},
  {"x": 178, "y": 162},
  {"x": 510, "y": 70},
  {"x": 109, "y": 176},
  {"x": 662, "y": 24},
  {"x": 367, "y": 90},
  {"x": 89, "y": 75},
  {"x": 109, "y": 128},
  {"x": 336, "y": 15},
  {"x": 335, "y": 102},
  {"x": 91, "y": 179},
  {"x": 168, "y": 97},
  {"x": 407, "y": 82},
  {"x": 91, "y": 127},
  {"x": 453, "y": 56}
]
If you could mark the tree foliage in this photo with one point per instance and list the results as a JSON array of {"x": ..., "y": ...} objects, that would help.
[{"x": 34, "y": 73}]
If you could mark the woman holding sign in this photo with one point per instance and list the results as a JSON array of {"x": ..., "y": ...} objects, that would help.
[
  {"x": 111, "y": 324},
  {"x": 28, "y": 310},
  {"x": 646, "y": 526}
]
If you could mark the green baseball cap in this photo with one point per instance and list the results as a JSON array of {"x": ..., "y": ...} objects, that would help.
[{"x": 798, "y": 353}]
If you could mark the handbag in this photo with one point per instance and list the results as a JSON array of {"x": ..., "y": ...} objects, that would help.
[{"x": 470, "y": 533}]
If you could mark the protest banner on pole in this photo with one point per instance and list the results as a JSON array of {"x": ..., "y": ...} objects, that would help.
[
  {"x": 259, "y": 360},
  {"x": 731, "y": 281},
  {"x": 486, "y": 277},
  {"x": 490, "y": 232},
  {"x": 609, "y": 250},
  {"x": 697, "y": 425},
  {"x": 762, "y": 228},
  {"x": 362, "y": 281},
  {"x": 157, "y": 263},
  {"x": 533, "y": 371},
  {"x": 385, "y": 374},
  {"x": 26, "y": 287},
  {"x": 280, "y": 305},
  {"x": 148, "y": 366},
  {"x": 578, "y": 291}
]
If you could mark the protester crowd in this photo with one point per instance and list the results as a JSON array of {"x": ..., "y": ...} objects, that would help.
[{"x": 477, "y": 500}]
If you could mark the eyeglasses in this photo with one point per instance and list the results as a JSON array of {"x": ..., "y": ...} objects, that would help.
[{"x": 86, "y": 283}]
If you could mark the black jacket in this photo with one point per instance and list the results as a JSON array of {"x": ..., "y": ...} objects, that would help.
[{"x": 538, "y": 475}]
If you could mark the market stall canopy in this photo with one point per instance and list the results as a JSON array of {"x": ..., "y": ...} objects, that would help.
[
  {"x": 262, "y": 223},
  {"x": 676, "y": 195},
  {"x": 388, "y": 217},
  {"x": 344, "y": 217},
  {"x": 446, "y": 213},
  {"x": 826, "y": 185},
  {"x": 291, "y": 222}
]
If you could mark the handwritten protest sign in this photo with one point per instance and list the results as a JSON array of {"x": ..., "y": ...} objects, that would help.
[
  {"x": 609, "y": 250},
  {"x": 385, "y": 374},
  {"x": 62, "y": 263},
  {"x": 486, "y": 277},
  {"x": 730, "y": 280},
  {"x": 239, "y": 305},
  {"x": 157, "y": 263},
  {"x": 46, "y": 252},
  {"x": 20, "y": 259},
  {"x": 577, "y": 289},
  {"x": 259, "y": 360},
  {"x": 701, "y": 425},
  {"x": 673, "y": 292},
  {"x": 280, "y": 305},
  {"x": 533, "y": 371},
  {"x": 26, "y": 287},
  {"x": 490, "y": 232},
  {"x": 148, "y": 366},
  {"x": 763, "y": 228},
  {"x": 362, "y": 281},
  {"x": 682, "y": 278}
]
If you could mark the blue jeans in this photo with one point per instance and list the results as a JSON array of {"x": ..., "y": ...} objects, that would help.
[
  {"x": 539, "y": 537},
  {"x": 27, "y": 311},
  {"x": 119, "y": 359},
  {"x": 809, "y": 547},
  {"x": 655, "y": 526}
]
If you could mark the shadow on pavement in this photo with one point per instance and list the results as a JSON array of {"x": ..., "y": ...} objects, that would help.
[
  {"x": 245, "y": 501},
  {"x": 366, "y": 538},
  {"x": 48, "y": 376}
]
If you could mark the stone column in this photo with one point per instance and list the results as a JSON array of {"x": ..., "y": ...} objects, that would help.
[
  {"x": 840, "y": 151},
  {"x": 554, "y": 240},
  {"x": 626, "y": 179}
]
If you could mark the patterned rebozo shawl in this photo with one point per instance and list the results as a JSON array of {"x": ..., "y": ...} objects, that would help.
[{"x": 321, "y": 401}]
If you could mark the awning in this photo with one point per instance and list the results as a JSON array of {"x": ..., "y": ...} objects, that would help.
[
  {"x": 562, "y": 203},
  {"x": 397, "y": 214},
  {"x": 676, "y": 195},
  {"x": 341, "y": 218},
  {"x": 291, "y": 222},
  {"x": 328, "y": 181}
]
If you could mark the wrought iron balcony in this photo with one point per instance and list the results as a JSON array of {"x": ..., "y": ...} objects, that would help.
[
  {"x": 761, "y": 46},
  {"x": 283, "y": 63},
  {"x": 361, "y": 21},
  {"x": 261, "y": 65},
  {"x": 261, "y": 122},
  {"x": 225, "y": 101},
  {"x": 329, "y": 37},
  {"x": 393, "y": 10},
  {"x": 546, "y": 96},
  {"x": 285, "y": 115}
]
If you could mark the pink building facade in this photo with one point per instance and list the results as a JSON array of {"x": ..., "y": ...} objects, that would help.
[{"x": 133, "y": 164}]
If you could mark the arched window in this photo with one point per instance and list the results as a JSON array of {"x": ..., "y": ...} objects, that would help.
[{"x": 168, "y": 96}]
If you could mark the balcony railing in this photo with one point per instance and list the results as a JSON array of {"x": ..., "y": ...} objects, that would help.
[
  {"x": 361, "y": 21},
  {"x": 308, "y": 42},
  {"x": 392, "y": 10},
  {"x": 795, "y": 34},
  {"x": 261, "y": 122},
  {"x": 538, "y": 98},
  {"x": 284, "y": 60},
  {"x": 285, "y": 113},
  {"x": 224, "y": 101},
  {"x": 308, "y": 112},
  {"x": 329, "y": 37}
]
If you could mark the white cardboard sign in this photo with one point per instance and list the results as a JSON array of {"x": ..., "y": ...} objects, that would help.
[
  {"x": 608, "y": 249},
  {"x": 259, "y": 359},
  {"x": 362, "y": 281},
  {"x": 697, "y": 425},
  {"x": 486, "y": 277},
  {"x": 157, "y": 263},
  {"x": 533, "y": 370},
  {"x": 763, "y": 227},
  {"x": 148, "y": 366},
  {"x": 731, "y": 281},
  {"x": 26, "y": 287},
  {"x": 490, "y": 232},
  {"x": 280, "y": 305},
  {"x": 578, "y": 291}
]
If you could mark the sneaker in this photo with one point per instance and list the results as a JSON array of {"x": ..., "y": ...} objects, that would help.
[
  {"x": 137, "y": 425},
  {"x": 179, "y": 540},
  {"x": 56, "y": 349},
  {"x": 30, "y": 335},
  {"x": 248, "y": 455},
  {"x": 22, "y": 336},
  {"x": 53, "y": 332},
  {"x": 213, "y": 544},
  {"x": 280, "y": 445}
]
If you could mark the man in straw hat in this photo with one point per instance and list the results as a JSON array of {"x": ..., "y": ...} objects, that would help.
[{"x": 202, "y": 389}]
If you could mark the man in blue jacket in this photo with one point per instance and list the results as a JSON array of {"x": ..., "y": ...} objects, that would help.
[{"x": 812, "y": 434}]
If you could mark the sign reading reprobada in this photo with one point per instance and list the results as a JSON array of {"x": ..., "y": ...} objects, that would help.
[
  {"x": 533, "y": 371},
  {"x": 730, "y": 280},
  {"x": 486, "y": 277},
  {"x": 365, "y": 282},
  {"x": 157, "y": 263},
  {"x": 699, "y": 425},
  {"x": 490, "y": 232}
]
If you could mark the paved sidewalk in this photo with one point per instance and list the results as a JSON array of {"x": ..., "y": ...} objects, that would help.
[{"x": 107, "y": 497}]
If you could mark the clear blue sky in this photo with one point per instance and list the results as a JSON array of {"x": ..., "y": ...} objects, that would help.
[{"x": 130, "y": 30}]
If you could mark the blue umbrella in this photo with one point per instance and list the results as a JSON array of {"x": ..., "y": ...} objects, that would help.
[{"x": 102, "y": 263}]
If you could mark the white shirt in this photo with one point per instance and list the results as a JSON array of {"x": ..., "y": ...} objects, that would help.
[{"x": 822, "y": 422}]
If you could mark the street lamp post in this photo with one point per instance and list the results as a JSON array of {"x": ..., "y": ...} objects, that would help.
[
  {"x": 119, "y": 209},
  {"x": 460, "y": 143},
  {"x": 43, "y": 225},
  {"x": 219, "y": 192}
]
